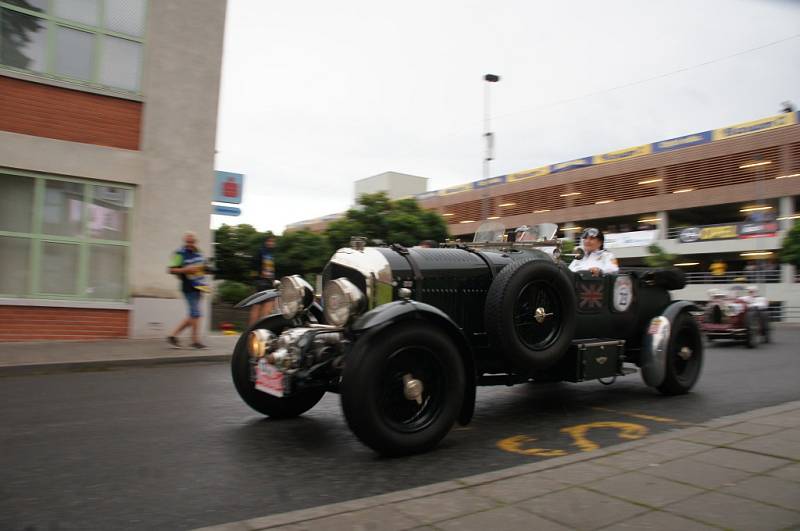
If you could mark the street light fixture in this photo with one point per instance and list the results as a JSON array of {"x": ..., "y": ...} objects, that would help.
[{"x": 489, "y": 136}]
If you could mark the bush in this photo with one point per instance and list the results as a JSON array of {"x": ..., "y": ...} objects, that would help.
[{"x": 232, "y": 292}]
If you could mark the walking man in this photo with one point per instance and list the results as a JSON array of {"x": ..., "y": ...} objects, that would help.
[{"x": 189, "y": 265}]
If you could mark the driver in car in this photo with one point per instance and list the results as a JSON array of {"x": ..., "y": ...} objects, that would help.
[{"x": 595, "y": 259}]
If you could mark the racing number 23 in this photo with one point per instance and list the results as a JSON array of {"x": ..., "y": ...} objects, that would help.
[{"x": 518, "y": 444}]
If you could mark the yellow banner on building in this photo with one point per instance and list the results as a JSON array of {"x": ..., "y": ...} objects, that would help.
[
  {"x": 528, "y": 174},
  {"x": 756, "y": 126},
  {"x": 623, "y": 154},
  {"x": 456, "y": 189}
]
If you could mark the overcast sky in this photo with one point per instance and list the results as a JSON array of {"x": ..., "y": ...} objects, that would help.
[{"x": 317, "y": 94}]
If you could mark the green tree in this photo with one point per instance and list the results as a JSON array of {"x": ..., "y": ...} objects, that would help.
[
  {"x": 567, "y": 247},
  {"x": 301, "y": 252},
  {"x": 658, "y": 257},
  {"x": 790, "y": 252},
  {"x": 378, "y": 217},
  {"x": 234, "y": 248}
]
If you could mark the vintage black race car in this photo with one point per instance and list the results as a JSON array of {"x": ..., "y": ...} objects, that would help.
[{"x": 405, "y": 335}]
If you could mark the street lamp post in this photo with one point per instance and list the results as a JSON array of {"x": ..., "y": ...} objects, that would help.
[{"x": 489, "y": 136}]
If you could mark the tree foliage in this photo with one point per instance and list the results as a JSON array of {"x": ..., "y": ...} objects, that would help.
[
  {"x": 658, "y": 257},
  {"x": 304, "y": 252},
  {"x": 301, "y": 252},
  {"x": 234, "y": 248},
  {"x": 790, "y": 252},
  {"x": 379, "y": 218}
]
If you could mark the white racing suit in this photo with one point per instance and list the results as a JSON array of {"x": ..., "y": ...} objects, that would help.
[{"x": 601, "y": 259}]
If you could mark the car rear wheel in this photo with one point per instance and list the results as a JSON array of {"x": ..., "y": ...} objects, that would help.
[
  {"x": 753, "y": 326},
  {"x": 241, "y": 371},
  {"x": 402, "y": 388},
  {"x": 684, "y": 357},
  {"x": 763, "y": 320},
  {"x": 530, "y": 313}
]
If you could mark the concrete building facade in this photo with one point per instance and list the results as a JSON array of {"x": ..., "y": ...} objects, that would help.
[{"x": 107, "y": 136}]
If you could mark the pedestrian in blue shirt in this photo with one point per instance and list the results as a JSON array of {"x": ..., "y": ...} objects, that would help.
[
  {"x": 189, "y": 265},
  {"x": 264, "y": 270}
]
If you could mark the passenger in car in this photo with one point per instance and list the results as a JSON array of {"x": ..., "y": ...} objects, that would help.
[{"x": 596, "y": 259}]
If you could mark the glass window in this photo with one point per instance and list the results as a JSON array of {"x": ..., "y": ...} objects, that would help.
[
  {"x": 125, "y": 16},
  {"x": 106, "y": 272},
  {"x": 94, "y": 41},
  {"x": 14, "y": 265},
  {"x": 74, "y": 53},
  {"x": 62, "y": 214},
  {"x": 108, "y": 213},
  {"x": 16, "y": 203},
  {"x": 59, "y": 268},
  {"x": 23, "y": 40},
  {"x": 56, "y": 243},
  {"x": 120, "y": 64},
  {"x": 83, "y": 11}
]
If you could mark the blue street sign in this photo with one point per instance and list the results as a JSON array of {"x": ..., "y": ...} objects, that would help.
[
  {"x": 226, "y": 210},
  {"x": 228, "y": 187}
]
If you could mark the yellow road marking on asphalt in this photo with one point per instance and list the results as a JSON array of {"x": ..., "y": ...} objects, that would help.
[
  {"x": 638, "y": 415},
  {"x": 627, "y": 430},
  {"x": 515, "y": 445}
]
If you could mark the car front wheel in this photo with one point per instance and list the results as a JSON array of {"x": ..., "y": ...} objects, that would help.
[
  {"x": 402, "y": 388},
  {"x": 272, "y": 406}
]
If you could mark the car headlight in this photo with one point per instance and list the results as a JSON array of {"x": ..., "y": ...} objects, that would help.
[
  {"x": 341, "y": 300},
  {"x": 296, "y": 295},
  {"x": 258, "y": 341}
]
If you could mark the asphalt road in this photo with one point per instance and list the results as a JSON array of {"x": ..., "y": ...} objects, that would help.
[{"x": 173, "y": 447}]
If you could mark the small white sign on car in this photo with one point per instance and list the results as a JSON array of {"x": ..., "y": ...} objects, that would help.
[{"x": 623, "y": 293}]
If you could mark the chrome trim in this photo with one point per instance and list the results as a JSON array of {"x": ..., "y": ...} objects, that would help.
[
  {"x": 654, "y": 351},
  {"x": 370, "y": 263}
]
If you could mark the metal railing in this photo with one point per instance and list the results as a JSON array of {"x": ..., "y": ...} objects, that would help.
[{"x": 734, "y": 277}]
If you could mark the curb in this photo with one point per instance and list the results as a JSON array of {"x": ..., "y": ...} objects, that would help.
[
  {"x": 40, "y": 368},
  {"x": 324, "y": 511}
]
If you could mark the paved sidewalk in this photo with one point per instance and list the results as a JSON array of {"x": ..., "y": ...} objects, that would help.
[
  {"x": 737, "y": 472},
  {"x": 55, "y": 355}
]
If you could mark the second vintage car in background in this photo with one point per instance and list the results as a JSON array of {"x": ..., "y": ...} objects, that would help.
[{"x": 737, "y": 313}]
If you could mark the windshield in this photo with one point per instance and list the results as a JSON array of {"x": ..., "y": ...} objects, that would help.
[
  {"x": 535, "y": 233},
  {"x": 490, "y": 232}
]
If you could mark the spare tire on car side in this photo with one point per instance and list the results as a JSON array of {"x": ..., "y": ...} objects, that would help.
[{"x": 530, "y": 313}]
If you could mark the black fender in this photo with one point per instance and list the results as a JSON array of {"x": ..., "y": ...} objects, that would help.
[
  {"x": 257, "y": 298},
  {"x": 315, "y": 310},
  {"x": 655, "y": 344},
  {"x": 406, "y": 310}
]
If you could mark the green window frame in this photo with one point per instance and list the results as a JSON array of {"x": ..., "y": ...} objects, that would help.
[
  {"x": 39, "y": 238},
  {"x": 53, "y": 23}
]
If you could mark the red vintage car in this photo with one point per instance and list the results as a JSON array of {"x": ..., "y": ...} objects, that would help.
[{"x": 737, "y": 313}]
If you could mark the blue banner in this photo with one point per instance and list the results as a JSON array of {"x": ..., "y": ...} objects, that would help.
[
  {"x": 491, "y": 181},
  {"x": 682, "y": 142},
  {"x": 571, "y": 165}
]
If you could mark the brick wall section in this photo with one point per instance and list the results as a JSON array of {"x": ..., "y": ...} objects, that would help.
[
  {"x": 37, "y": 323},
  {"x": 54, "y": 112}
]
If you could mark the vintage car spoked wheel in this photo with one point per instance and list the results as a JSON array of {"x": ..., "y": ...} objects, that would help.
[
  {"x": 413, "y": 384},
  {"x": 684, "y": 356},
  {"x": 530, "y": 313},
  {"x": 537, "y": 315},
  {"x": 241, "y": 371},
  {"x": 402, "y": 388}
]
